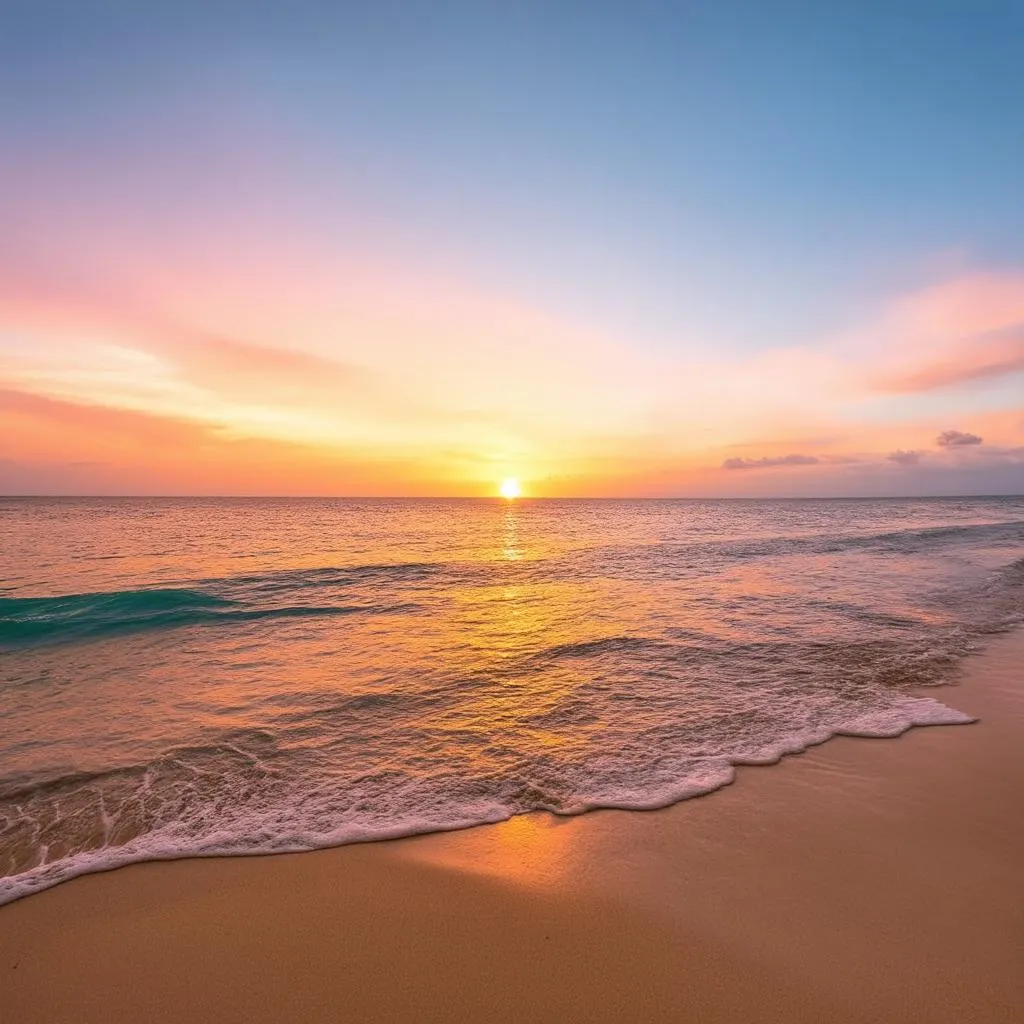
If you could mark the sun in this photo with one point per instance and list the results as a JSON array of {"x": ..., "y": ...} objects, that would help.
[{"x": 510, "y": 488}]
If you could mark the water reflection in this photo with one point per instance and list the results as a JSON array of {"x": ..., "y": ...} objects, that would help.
[
  {"x": 511, "y": 550},
  {"x": 317, "y": 672},
  {"x": 536, "y": 851}
]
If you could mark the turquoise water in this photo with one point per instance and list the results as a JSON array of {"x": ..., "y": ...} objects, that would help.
[{"x": 202, "y": 677}]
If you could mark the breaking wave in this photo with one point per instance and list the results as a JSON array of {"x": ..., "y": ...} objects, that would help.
[{"x": 26, "y": 620}]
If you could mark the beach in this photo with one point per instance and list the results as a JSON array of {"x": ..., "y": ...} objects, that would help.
[
  {"x": 511, "y": 513},
  {"x": 865, "y": 880}
]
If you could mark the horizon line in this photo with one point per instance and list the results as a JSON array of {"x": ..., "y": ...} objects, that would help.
[{"x": 500, "y": 499}]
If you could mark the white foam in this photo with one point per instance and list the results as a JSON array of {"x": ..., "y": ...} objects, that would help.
[{"x": 306, "y": 824}]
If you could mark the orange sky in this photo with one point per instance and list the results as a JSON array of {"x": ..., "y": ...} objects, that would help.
[{"x": 308, "y": 378}]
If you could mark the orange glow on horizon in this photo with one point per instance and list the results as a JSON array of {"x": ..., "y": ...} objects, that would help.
[{"x": 272, "y": 395}]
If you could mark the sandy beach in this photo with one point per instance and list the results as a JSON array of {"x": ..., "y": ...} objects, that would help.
[
  {"x": 511, "y": 513},
  {"x": 862, "y": 881}
]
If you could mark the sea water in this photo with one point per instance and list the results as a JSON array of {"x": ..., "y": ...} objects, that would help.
[{"x": 213, "y": 677}]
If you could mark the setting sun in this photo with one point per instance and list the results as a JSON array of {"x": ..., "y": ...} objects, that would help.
[{"x": 510, "y": 488}]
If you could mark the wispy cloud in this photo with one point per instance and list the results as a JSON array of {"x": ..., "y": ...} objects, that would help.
[
  {"x": 90, "y": 422},
  {"x": 966, "y": 329},
  {"x": 53, "y": 441},
  {"x": 772, "y": 461},
  {"x": 957, "y": 439},
  {"x": 980, "y": 357},
  {"x": 769, "y": 461},
  {"x": 905, "y": 458},
  {"x": 226, "y": 365}
]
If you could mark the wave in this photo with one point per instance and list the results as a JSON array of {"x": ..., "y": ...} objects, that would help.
[
  {"x": 602, "y": 645},
  {"x": 334, "y": 576},
  {"x": 244, "y": 598},
  {"x": 644, "y": 711},
  {"x": 242, "y": 797},
  {"x": 667, "y": 557},
  {"x": 35, "y": 620},
  {"x": 908, "y": 541}
]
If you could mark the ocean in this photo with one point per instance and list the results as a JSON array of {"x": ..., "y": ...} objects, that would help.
[{"x": 210, "y": 677}]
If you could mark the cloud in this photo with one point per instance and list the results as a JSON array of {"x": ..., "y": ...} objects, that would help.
[
  {"x": 982, "y": 357},
  {"x": 89, "y": 420},
  {"x": 1015, "y": 453},
  {"x": 956, "y": 439},
  {"x": 766, "y": 463},
  {"x": 265, "y": 372},
  {"x": 965, "y": 329},
  {"x": 59, "y": 446},
  {"x": 905, "y": 458}
]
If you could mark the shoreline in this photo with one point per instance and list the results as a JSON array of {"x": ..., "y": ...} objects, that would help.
[{"x": 860, "y": 880}]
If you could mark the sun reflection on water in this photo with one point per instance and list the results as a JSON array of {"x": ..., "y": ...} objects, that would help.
[
  {"x": 511, "y": 550},
  {"x": 535, "y": 850}
]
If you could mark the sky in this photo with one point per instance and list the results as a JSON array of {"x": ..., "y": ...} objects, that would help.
[{"x": 709, "y": 248}]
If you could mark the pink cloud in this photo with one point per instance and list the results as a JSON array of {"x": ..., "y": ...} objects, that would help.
[
  {"x": 967, "y": 329},
  {"x": 257, "y": 372},
  {"x": 969, "y": 304},
  {"x": 90, "y": 422},
  {"x": 773, "y": 461},
  {"x": 957, "y": 439},
  {"x": 905, "y": 458},
  {"x": 978, "y": 358},
  {"x": 767, "y": 462}
]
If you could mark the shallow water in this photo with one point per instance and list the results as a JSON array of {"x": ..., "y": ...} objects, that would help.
[{"x": 200, "y": 677}]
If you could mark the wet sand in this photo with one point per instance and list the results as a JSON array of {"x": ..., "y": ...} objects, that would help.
[{"x": 866, "y": 880}]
